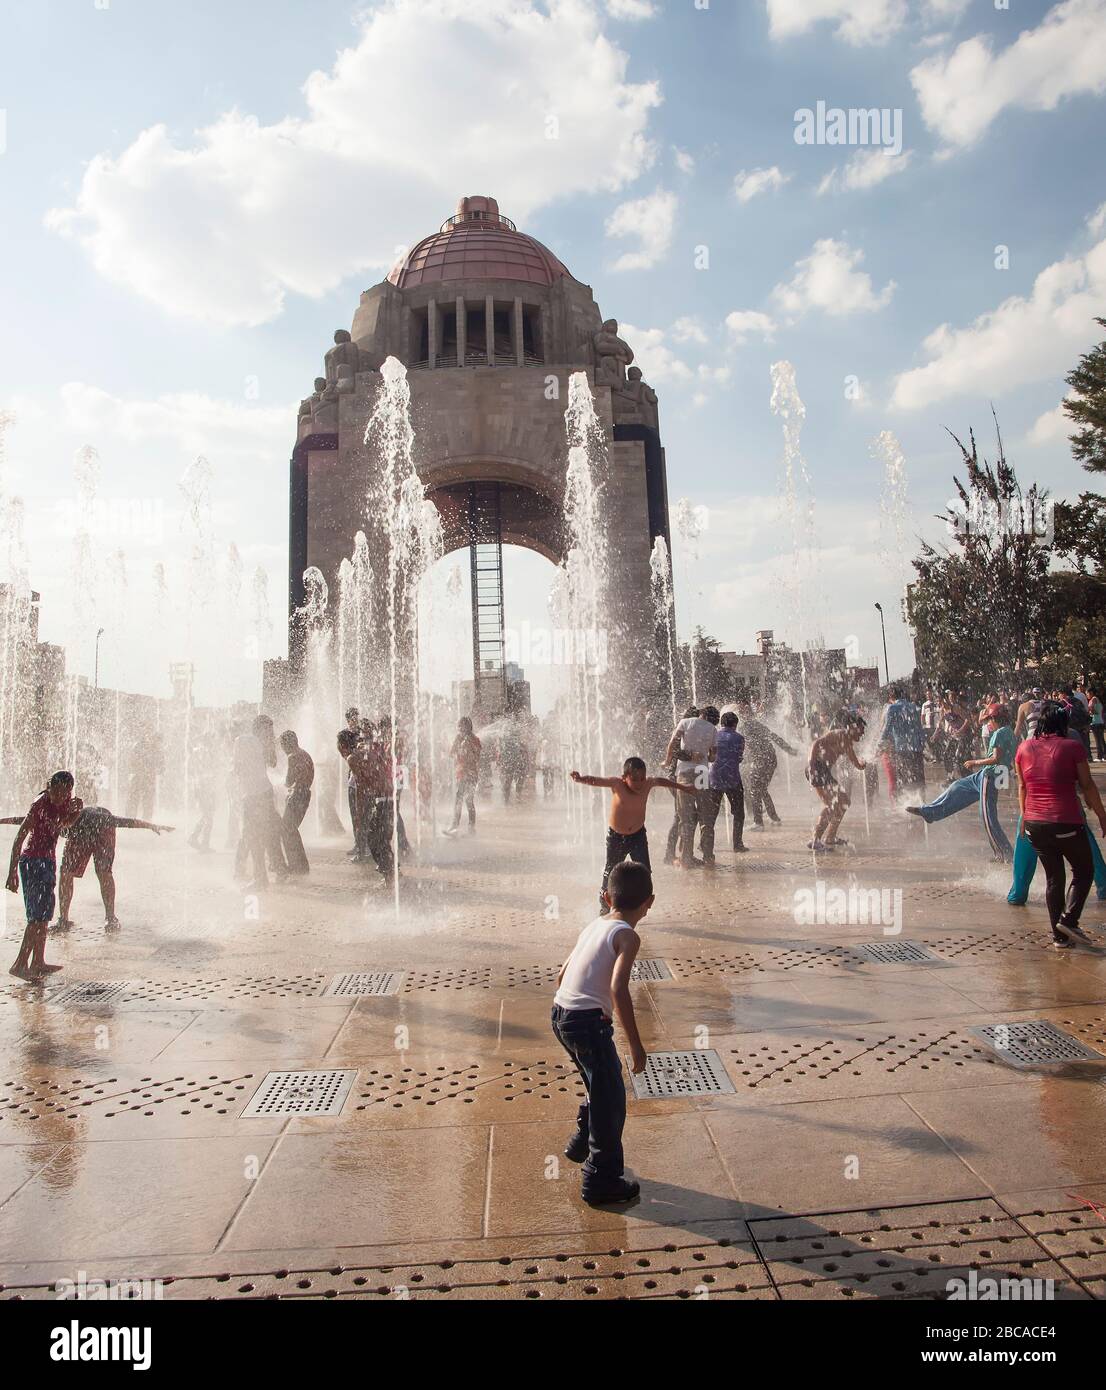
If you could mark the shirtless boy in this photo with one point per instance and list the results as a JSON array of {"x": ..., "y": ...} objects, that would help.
[
  {"x": 91, "y": 836},
  {"x": 838, "y": 742},
  {"x": 626, "y": 834}
]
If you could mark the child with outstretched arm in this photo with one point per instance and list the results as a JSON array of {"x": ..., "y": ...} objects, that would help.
[
  {"x": 35, "y": 864},
  {"x": 593, "y": 986},
  {"x": 91, "y": 836},
  {"x": 626, "y": 834}
]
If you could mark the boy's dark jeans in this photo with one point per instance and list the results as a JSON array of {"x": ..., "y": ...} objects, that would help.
[
  {"x": 736, "y": 797},
  {"x": 620, "y": 847},
  {"x": 588, "y": 1038}
]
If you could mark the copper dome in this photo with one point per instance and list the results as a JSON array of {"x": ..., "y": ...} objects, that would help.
[{"x": 477, "y": 244}]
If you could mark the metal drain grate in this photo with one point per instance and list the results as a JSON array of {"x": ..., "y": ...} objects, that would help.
[
  {"x": 91, "y": 992},
  {"x": 301, "y": 1093},
  {"x": 697, "y": 1073},
  {"x": 650, "y": 970},
  {"x": 898, "y": 953},
  {"x": 364, "y": 983},
  {"x": 1034, "y": 1044}
]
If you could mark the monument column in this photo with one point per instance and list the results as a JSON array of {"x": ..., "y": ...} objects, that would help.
[{"x": 518, "y": 332}]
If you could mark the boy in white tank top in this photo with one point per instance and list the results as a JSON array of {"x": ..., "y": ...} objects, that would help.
[{"x": 594, "y": 984}]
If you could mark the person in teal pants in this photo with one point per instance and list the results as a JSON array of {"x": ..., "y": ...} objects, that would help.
[{"x": 1025, "y": 866}]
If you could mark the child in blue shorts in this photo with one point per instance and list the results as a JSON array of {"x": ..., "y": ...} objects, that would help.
[{"x": 36, "y": 866}]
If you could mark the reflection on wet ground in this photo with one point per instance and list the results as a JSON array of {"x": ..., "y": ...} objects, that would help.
[{"x": 874, "y": 1144}]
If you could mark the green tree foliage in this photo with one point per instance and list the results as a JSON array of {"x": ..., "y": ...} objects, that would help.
[
  {"x": 979, "y": 606},
  {"x": 713, "y": 680},
  {"x": 1079, "y": 595},
  {"x": 1086, "y": 407}
]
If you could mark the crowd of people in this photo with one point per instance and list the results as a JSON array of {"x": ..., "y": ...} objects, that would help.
[
  {"x": 973, "y": 746},
  {"x": 966, "y": 749}
]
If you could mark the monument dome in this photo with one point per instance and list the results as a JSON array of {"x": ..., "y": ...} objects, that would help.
[{"x": 477, "y": 244}]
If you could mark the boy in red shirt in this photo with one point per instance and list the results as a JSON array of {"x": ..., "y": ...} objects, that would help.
[
  {"x": 466, "y": 757},
  {"x": 370, "y": 766},
  {"x": 50, "y": 814}
]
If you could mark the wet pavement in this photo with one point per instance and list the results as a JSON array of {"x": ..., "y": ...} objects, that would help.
[{"x": 871, "y": 1139}]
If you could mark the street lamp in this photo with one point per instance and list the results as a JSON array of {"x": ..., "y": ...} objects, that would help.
[
  {"x": 883, "y": 627},
  {"x": 97, "y": 680}
]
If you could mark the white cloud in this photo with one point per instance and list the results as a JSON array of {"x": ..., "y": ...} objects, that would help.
[
  {"x": 685, "y": 162},
  {"x": 1051, "y": 426},
  {"x": 962, "y": 93},
  {"x": 708, "y": 376},
  {"x": 1023, "y": 340},
  {"x": 752, "y": 182},
  {"x": 631, "y": 9},
  {"x": 866, "y": 169},
  {"x": 688, "y": 330},
  {"x": 658, "y": 363},
  {"x": 743, "y": 323},
  {"x": 942, "y": 10},
  {"x": 856, "y": 21},
  {"x": 829, "y": 279},
  {"x": 193, "y": 421},
  {"x": 1096, "y": 223},
  {"x": 652, "y": 220},
  {"x": 222, "y": 228}
]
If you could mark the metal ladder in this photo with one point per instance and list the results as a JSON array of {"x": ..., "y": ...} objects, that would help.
[{"x": 486, "y": 561}]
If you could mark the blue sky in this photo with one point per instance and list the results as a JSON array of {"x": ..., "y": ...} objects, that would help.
[{"x": 186, "y": 222}]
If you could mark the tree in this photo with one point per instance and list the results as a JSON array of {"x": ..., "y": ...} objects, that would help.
[
  {"x": 1080, "y": 533},
  {"x": 980, "y": 608},
  {"x": 1079, "y": 646},
  {"x": 713, "y": 679},
  {"x": 1079, "y": 594},
  {"x": 1086, "y": 406}
]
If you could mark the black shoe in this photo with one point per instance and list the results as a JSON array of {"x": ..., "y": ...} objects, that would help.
[
  {"x": 576, "y": 1150},
  {"x": 1075, "y": 936},
  {"x": 741, "y": 849},
  {"x": 913, "y": 810},
  {"x": 624, "y": 1190}
]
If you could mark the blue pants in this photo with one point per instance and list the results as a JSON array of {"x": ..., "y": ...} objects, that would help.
[
  {"x": 37, "y": 876},
  {"x": 978, "y": 787},
  {"x": 588, "y": 1038},
  {"x": 1025, "y": 866}
]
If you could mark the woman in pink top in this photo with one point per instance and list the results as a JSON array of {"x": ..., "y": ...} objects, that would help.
[{"x": 1051, "y": 767}]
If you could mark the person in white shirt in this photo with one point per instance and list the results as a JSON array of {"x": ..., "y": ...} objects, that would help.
[
  {"x": 594, "y": 984},
  {"x": 692, "y": 747}
]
